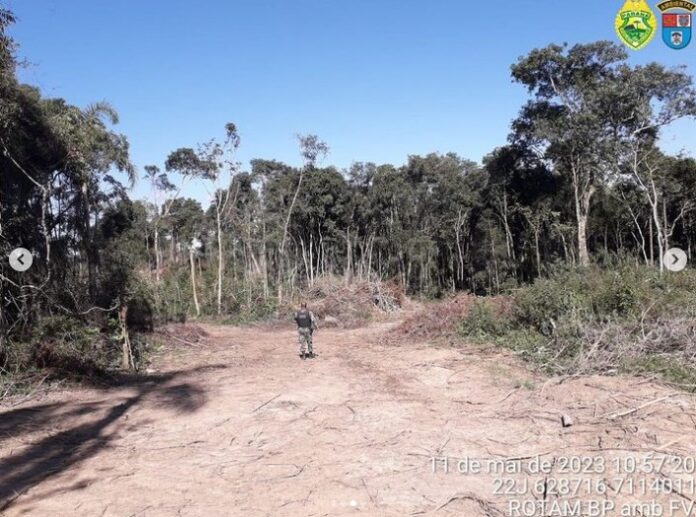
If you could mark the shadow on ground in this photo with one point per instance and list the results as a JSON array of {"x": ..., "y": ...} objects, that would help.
[{"x": 58, "y": 452}]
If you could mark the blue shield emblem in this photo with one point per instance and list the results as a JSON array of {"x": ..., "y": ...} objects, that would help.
[
  {"x": 676, "y": 30},
  {"x": 677, "y": 21}
]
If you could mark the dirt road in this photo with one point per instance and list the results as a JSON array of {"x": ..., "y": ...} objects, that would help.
[{"x": 238, "y": 425}]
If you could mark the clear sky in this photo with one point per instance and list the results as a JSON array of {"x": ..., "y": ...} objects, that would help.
[{"x": 376, "y": 79}]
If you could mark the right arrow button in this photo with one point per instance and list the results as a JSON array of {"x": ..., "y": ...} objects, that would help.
[{"x": 675, "y": 260}]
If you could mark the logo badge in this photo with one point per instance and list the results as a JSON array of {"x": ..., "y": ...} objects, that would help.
[
  {"x": 677, "y": 20},
  {"x": 636, "y": 24}
]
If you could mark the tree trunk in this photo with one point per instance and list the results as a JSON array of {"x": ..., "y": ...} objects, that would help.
[
  {"x": 220, "y": 263},
  {"x": 583, "y": 196},
  {"x": 536, "y": 249},
  {"x": 157, "y": 254},
  {"x": 193, "y": 283},
  {"x": 285, "y": 237},
  {"x": 305, "y": 260},
  {"x": 652, "y": 243},
  {"x": 126, "y": 350},
  {"x": 265, "y": 263},
  {"x": 349, "y": 257},
  {"x": 582, "y": 210},
  {"x": 658, "y": 230}
]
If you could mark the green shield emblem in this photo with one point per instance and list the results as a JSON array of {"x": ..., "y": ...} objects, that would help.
[{"x": 636, "y": 24}]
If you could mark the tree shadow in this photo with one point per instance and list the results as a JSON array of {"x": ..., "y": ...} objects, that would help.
[{"x": 58, "y": 452}]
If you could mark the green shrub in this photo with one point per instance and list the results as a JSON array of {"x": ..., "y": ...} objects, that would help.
[
  {"x": 69, "y": 344},
  {"x": 670, "y": 369},
  {"x": 548, "y": 299},
  {"x": 482, "y": 320},
  {"x": 72, "y": 346}
]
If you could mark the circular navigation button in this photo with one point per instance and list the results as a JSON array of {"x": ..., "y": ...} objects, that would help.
[
  {"x": 675, "y": 260},
  {"x": 21, "y": 259}
]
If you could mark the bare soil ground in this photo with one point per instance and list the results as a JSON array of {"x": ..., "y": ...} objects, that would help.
[{"x": 238, "y": 425}]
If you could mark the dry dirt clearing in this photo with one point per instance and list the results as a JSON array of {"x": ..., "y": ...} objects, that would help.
[{"x": 238, "y": 425}]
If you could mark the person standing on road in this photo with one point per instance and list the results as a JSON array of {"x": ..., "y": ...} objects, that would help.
[{"x": 306, "y": 325}]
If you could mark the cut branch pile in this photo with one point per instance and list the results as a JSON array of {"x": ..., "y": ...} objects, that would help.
[
  {"x": 437, "y": 318},
  {"x": 440, "y": 319},
  {"x": 616, "y": 345},
  {"x": 349, "y": 306},
  {"x": 191, "y": 335}
]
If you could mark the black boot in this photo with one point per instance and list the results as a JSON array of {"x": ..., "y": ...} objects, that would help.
[{"x": 303, "y": 356}]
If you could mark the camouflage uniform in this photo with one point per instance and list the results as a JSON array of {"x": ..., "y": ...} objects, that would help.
[{"x": 306, "y": 324}]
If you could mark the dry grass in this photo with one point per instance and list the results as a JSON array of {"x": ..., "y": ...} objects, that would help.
[{"x": 666, "y": 346}]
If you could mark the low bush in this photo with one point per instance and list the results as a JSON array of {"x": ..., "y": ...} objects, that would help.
[
  {"x": 64, "y": 347},
  {"x": 483, "y": 319}
]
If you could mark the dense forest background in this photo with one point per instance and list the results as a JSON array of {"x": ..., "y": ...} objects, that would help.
[{"x": 580, "y": 180}]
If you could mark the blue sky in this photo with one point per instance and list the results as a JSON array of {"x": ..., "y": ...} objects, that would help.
[{"x": 377, "y": 79}]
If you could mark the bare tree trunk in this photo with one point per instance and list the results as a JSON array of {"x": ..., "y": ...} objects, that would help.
[
  {"x": 495, "y": 259},
  {"x": 641, "y": 243},
  {"x": 311, "y": 259},
  {"x": 660, "y": 241},
  {"x": 665, "y": 224},
  {"x": 147, "y": 250},
  {"x": 193, "y": 283},
  {"x": 606, "y": 239},
  {"x": 264, "y": 251},
  {"x": 565, "y": 245},
  {"x": 583, "y": 253},
  {"x": 321, "y": 255},
  {"x": 265, "y": 260},
  {"x": 509, "y": 241},
  {"x": 220, "y": 262},
  {"x": 652, "y": 243},
  {"x": 369, "y": 260},
  {"x": 305, "y": 260},
  {"x": 44, "y": 228},
  {"x": 536, "y": 250},
  {"x": 126, "y": 350},
  {"x": 157, "y": 254},
  {"x": 583, "y": 196},
  {"x": 460, "y": 254},
  {"x": 349, "y": 258},
  {"x": 281, "y": 250}
]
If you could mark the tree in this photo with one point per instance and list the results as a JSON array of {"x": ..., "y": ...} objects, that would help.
[
  {"x": 159, "y": 184},
  {"x": 122, "y": 251},
  {"x": 214, "y": 162},
  {"x": 522, "y": 192},
  {"x": 311, "y": 149},
  {"x": 650, "y": 98},
  {"x": 566, "y": 120}
]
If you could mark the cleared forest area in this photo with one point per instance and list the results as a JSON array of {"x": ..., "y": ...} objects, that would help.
[
  {"x": 516, "y": 308},
  {"x": 581, "y": 183},
  {"x": 233, "y": 424}
]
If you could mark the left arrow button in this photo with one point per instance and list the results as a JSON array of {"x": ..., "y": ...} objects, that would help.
[{"x": 21, "y": 259}]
